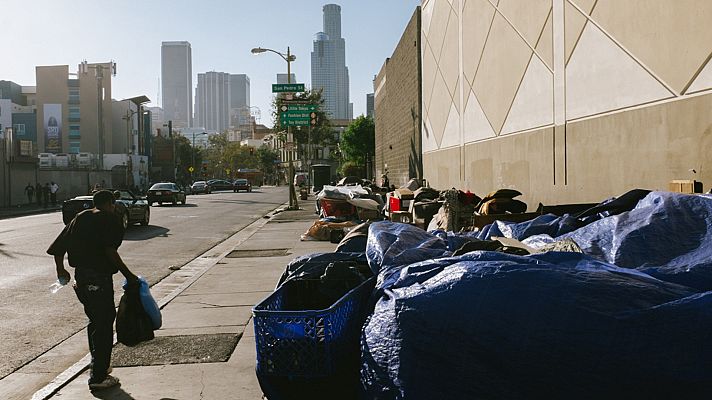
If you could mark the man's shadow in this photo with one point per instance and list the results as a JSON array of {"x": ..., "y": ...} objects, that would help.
[{"x": 115, "y": 393}]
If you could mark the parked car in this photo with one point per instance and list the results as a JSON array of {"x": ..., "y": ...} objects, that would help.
[
  {"x": 242, "y": 184},
  {"x": 165, "y": 192},
  {"x": 131, "y": 209},
  {"x": 219, "y": 184},
  {"x": 200, "y": 187}
]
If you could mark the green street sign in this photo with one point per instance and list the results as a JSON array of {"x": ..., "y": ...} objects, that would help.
[
  {"x": 298, "y": 107},
  {"x": 292, "y": 115},
  {"x": 287, "y": 87},
  {"x": 295, "y": 122}
]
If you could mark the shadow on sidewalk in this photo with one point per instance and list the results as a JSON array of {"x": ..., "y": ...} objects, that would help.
[{"x": 116, "y": 393}]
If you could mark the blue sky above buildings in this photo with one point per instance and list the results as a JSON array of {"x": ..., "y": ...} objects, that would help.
[{"x": 221, "y": 33}]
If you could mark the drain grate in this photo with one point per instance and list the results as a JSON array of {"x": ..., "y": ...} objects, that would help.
[
  {"x": 182, "y": 349},
  {"x": 258, "y": 253}
]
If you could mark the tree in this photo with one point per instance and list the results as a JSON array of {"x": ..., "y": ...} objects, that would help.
[{"x": 358, "y": 140}]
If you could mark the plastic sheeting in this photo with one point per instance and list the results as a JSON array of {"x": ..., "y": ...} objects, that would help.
[{"x": 551, "y": 325}]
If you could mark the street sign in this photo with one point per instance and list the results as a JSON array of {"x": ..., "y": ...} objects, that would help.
[
  {"x": 287, "y": 87},
  {"x": 191, "y": 169},
  {"x": 299, "y": 107},
  {"x": 295, "y": 122},
  {"x": 292, "y": 115}
]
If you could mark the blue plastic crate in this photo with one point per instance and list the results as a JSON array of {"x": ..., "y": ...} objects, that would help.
[{"x": 308, "y": 343}]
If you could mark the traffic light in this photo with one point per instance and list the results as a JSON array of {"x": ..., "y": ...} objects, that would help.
[
  {"x": 313, "y": 118},
  {"x": 252, "y": 150}
]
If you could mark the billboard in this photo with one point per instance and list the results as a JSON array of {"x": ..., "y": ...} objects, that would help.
[
  {"x": 5, "y": 116},
  {"x": 53, "y": 128}
]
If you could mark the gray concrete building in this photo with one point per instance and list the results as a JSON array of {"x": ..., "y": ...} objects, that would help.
[
  {"x": 177, "y": 83},
  {"x": 328, "y": 65},
  {"x": 212, "y": 101},
  {"x": 370, "y": 105}
]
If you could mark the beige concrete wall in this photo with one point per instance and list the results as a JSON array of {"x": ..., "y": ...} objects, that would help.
[
  {"x": 52, "y": 89},
  {"x": 565, "y": 100}
]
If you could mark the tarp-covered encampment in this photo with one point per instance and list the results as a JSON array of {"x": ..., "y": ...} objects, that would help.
[{"x": 632, "y": 317}]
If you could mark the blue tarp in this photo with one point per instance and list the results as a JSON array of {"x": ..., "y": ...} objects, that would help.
[{"x": 553, "y": 325}]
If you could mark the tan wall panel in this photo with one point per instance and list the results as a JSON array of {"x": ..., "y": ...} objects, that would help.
[
  {"x": 503, "y": 65},
  {"x": 450, "y": 56},
  {"x": 528, "y": 16},
  {"x": 545, "y": 46},
  {"x": 670, "y": 37},
  {"x": 439, "y": 108},
  {"x": 574, "y": 22},
  {"x": 430, "y": 71},
  {"x": 477, "y": 19},
  {"x": 438, "y": 26},
  {"x": 442, "y": 168},
  {"x": 522, "y": 162},
  {"x": 643, "y": 148}
]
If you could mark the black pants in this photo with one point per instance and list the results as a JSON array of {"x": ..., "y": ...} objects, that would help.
[
  {"x": 96, "y": 292},
  {"x": 53, "y": 198}
]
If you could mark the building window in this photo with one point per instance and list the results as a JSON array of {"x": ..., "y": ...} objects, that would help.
[
  {"x": 74, "y": 113},
  {"x": 18, "y": 129},
  {"x": 74, "y": 131},
  {"x": 74, "y": 147},
  {"x": 73, "y": 96}
]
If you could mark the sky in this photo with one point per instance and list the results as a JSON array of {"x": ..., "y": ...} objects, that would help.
[{"x": 221, "y": 34}]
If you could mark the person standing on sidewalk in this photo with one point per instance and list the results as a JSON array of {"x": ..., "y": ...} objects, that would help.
[
  {"x": 91, "y": 241},
  {"x": 38, "y": 193},
  {"x": 53, "y": 189},
  {"x": 29, "y": 191},
  {"x": 45, "y": 194}
]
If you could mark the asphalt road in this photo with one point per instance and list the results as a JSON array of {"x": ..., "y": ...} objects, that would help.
[{"x": 33, "y": 320}]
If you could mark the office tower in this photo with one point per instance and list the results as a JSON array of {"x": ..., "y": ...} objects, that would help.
[
  {"x": 240, "y": 101},
  {"x": 328, "y": 65},
  {"x": 212, "y": 101},
  {"x": 370, "y": 105},
  {"x": 177, "y": 83},
  {"x": 282, "y": 78}
]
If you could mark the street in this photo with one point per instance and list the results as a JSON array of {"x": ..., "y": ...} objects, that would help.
[{"x": 35, "y": 320}]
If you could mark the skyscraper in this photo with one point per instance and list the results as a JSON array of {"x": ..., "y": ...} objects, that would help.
[
  {"x": 212, "y": 101},
  {"x": 282, "y": 78},
  {"x": 240, "y": 102},
  {"x": 177, "y": 83},
  {"x": 328, "y": 65}
]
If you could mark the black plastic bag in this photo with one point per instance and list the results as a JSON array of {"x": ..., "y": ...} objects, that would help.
[{"x": 133, "y": 324}]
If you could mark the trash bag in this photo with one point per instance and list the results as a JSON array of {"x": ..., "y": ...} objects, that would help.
[
  {"x": 133, "y": 324},
  {"x": 148, "y": 302},
  {"x": 313, "y": 266},
  {"x": 552, "y": 325},
  {"x": 354, "y": 241}
]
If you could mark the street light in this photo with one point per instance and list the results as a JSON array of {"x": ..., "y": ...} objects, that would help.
[
  {"x": 192, "y": 154},
  {"x": 289, "y": 57}
]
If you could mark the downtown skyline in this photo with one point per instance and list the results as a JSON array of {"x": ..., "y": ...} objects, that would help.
[{"x": 214, "y": 49}]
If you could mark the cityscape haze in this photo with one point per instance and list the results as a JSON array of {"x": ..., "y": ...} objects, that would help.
[{"x": 224, "y": 47}]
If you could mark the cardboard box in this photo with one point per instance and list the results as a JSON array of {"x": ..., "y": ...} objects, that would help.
[{"x": 685, "y": 186}]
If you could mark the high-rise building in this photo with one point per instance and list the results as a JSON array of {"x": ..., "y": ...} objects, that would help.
[
  {"x": 212, "y": 101},
  {"x": 282, "y": 78},
  {"x": 240, "y": 102},
  {"x": 370, "y": 106},
  {"x": 328, "y": 65},
  {"x": 177, "y": 83}
]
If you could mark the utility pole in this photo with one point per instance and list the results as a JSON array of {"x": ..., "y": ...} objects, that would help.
[{"x": 173, "y": 142}]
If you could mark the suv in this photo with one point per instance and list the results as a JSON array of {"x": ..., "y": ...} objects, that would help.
[
  {"x": 242, "y": 184},
  {"x": 200, "y": 187}
]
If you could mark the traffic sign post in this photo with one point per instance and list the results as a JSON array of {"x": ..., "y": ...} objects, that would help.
[
  {"x": 298, "y": 107},
  {"x": 287, "y": 87}
]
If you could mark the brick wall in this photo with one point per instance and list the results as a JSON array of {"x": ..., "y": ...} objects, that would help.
[{"x": 397, "y": 109}]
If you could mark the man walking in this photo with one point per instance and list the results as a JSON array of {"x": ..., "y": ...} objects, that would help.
[
  {"x": 45, "y": 194},
  {"x": 91, "y": 241},
  {"x": 53, "y": 189},
  {"x": 29, "y": 191}
]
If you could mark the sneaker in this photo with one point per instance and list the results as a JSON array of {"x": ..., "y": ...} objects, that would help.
[{"x": 108, "y": 382}]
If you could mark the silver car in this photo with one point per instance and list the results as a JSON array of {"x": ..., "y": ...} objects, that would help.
[{"x": 200, "y": 187}]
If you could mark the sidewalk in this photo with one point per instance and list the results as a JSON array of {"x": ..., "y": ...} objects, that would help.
[
  {"x": 28, "y": 209},
  {"x": 211, "y": 310}
]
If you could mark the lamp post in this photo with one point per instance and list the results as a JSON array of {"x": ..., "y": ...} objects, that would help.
[
  {"x": 289, "y": 57},
  {"x": 192, "y": 154}
]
